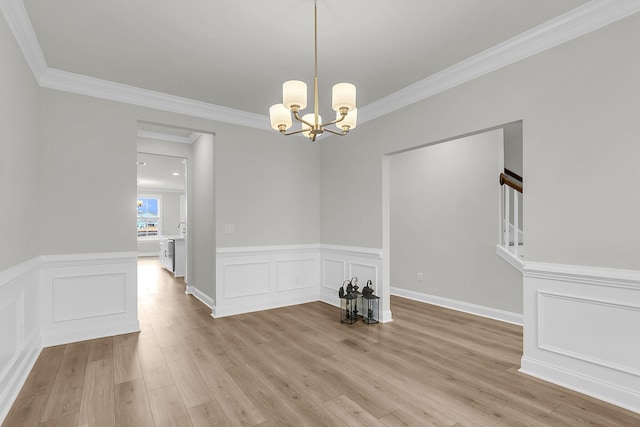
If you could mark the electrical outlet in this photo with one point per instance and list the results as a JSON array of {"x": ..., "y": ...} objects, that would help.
[
  {"x": 420, "y": 277},
  {"x": 229, "y": 228}
]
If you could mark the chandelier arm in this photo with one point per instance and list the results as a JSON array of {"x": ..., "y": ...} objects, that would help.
[
  {"x": 333, "y": 122},
  {"x": 343, "y": 133},
  {"x": 292, "y": 132},
  {"x": 301, "y": 120}
]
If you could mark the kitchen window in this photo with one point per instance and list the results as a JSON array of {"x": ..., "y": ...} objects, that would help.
[{"x": 149, "y": 216}]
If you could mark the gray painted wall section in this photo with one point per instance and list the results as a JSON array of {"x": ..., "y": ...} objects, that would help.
[
  {"x": 19, "y": 156},
  {"x": 578, "y": 103},
  {"x": 444, "y": 202}
]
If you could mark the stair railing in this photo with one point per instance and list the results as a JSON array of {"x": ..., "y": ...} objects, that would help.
[{"x": 512, "y": 190}]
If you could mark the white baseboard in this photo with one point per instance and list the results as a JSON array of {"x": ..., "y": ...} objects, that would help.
[
  {"x": 478, "y": 310},
  {"x": 19, "y": 374},
  {"x": 148, "y": 254},
  {"x": 82, "y": 334},
  {"x": 581, "y": 330},
  {"x": 608, "y": 392},
  {"x": 201, "y": 296}
]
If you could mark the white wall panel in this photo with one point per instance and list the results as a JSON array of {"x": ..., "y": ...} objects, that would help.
[
  {"x": 89, "y": 296},
  {"x": 581, "y": 330},
  {"x": 334, "y": 272},
  {"x": 295, "y": 274},
  {"x": 20, "y": 342},
  {"x": 246, "y": 279},
  {"x": 597, "y": 331}
]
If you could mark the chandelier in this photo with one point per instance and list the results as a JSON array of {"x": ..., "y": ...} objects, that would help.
[{"x": 294, "y": 99}]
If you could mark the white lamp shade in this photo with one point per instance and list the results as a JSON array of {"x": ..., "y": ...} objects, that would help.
[
  {"x": 280, "y": 115},
  {"x": 343, "y": 96},
  {"x": 351, "y": 119},
  {"x": 311, "y": 117},
  {"x": 294, "y": 92}
]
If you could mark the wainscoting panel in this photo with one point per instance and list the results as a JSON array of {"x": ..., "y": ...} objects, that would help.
[
  {"x": 334, "y": 272},
  {"x": 100, "y": 295},
  {"x": 340, "y": 263},
  {"x": 295, "y": 274},
  {"x": 246, "y": 279},
  {"x": 581, "y": 330},
  {"x": 87, "y": 296},
  {"x": 260, "y": 278},
  {"x": 20, "y": 342}
]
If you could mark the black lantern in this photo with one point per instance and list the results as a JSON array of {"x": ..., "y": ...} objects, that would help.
[
  {"x": 370, "y": 305},
  {"x": 370, "y": 308},
  {"x": 349, "y": 308}
]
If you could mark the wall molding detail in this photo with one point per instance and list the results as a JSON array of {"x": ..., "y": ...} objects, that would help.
[
  {"x": 264, "y": 277},
  {"x": 201, "y": 296},
  {"x": 20, "y": 333},
  {"x": 581, "y": 330},
  {"x": 575, "y": 23},
  {"x": 477, "y": 310},
  {"x": 86, "y": 296}
]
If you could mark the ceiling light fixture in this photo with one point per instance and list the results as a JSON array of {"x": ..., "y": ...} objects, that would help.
[{"x": 294, "y": 99}]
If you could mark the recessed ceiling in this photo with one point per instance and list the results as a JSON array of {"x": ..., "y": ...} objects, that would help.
[{"x": 237, "y": 53}]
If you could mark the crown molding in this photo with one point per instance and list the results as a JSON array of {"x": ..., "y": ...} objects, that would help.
[
  {"x": 169, "y": 137},
  {"x": 90, "y": 86},
  {"x": 16, "y": 16},
  {"x": 575, "y": 23}
]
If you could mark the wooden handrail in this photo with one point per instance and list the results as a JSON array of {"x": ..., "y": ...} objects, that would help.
[
  {"x": 505, "y": 180},
  {"x": 513, "y": 175}
]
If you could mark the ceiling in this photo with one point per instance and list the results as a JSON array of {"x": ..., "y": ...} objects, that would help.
[
  {"x": 236, "y": 54},
  {"x": 157, "y": 173}
]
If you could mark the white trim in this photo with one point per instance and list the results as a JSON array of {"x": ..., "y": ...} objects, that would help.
[
  {"x": 603, "y": 390},
  {"x": 88, "y": 259},
  {"x": 509, "y": 257},
  {"x": 629, "y": 279},
  {"x": 20, "y": 374},
  {"x": 478, "y": 310},
  {"x": 52, "y": 338},
  {"x": 147, "y": 254},
  {"x": 575, "y": 23},
  {"x": 12, "y": 273},
  {"x": 262, "y": 250},
  {"x": 574, "y": 360},
  {"x": 169, "y": 137},
  {"x": 201, "y": 296},
  {"x": 20, "y": 24},
  {"x": 90, "y": 86},
  {"x": 353, "y": 250}
]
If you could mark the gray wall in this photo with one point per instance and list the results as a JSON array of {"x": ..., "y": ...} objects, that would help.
[
  {"x": 201, "y": 213},
  {"x": 268, "y": 191},
  {"x": 19, "y": 155},
  {"x": 578, "y": 103},
  {"x": 444, "y": 202}
]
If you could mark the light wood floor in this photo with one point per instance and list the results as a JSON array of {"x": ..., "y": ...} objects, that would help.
[{"x": 297, "y": 366}]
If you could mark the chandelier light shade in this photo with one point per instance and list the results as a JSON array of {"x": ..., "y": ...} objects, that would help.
[{"x": 294, "y": 99}]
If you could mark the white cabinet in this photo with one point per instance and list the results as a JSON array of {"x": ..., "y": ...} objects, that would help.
[{"x": 173, "y": 254}]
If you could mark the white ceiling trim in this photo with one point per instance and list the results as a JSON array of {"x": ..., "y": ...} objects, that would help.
[
  {"x": 168, "y": 137},
  {"x": 577, "y": 22}
]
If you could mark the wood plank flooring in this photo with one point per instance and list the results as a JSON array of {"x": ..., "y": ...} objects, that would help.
[{"x": 296, "y": 366}]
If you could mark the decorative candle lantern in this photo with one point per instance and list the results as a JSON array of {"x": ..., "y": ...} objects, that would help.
[
  {"x": 370, "y": 304},
  {"x": 349, "y": 309}
]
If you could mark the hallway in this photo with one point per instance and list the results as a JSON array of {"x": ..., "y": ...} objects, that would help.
[{"x": 296, "y": 366}]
